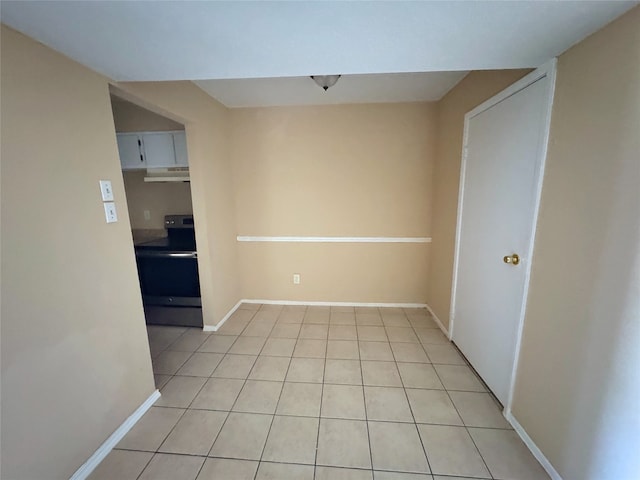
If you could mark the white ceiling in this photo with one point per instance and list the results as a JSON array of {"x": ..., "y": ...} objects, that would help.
[
  {"x": 389, "y": 87},
  {"x": 191, "y": 40}
]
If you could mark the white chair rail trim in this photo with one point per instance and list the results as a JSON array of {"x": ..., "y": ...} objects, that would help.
[{"x": 291, "y": 239}]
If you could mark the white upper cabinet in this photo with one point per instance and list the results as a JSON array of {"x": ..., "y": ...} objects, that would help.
[
  {"x": 158, "y": 149},
  {"x": 129, "y": 146},
  {"x": 152, "y": 150},
  {"x": 180, "y": 146}
]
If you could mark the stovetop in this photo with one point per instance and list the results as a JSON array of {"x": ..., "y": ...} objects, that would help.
[
  {"x": 167, "y": 243},
  {"x": 177, "y": 239}
]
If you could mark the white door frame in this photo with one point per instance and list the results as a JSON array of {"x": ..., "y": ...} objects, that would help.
[{"x": 547, "y": 70}]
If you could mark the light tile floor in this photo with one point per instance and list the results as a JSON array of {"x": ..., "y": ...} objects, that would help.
[{"x": 318, "y": 393}]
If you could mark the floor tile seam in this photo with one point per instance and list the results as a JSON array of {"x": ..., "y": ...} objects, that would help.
[
  {"x": 176, "y": 339},
  {"x": 421, "y": 343},
  {"x": 465, "y": 427},
  {"x": 324, "y": 370},
  {"x": 164, "y": 439},
  {"x": 186, "y": 409},
  {"x": 384, "y": 385},
  {"x": 264, "y": 446},
  {"x": 199, "y": 376},
  {"x": 145, "y": 466},
  {"x": 181, "y": 365},
  {"x": 328, "y": 417},
  {"x": 255, "y": 312},
  {"x": 233, "y": 405},
  {"x": 366, "y": 414},
  {"x": 424, "y": 450},
  {"x": 235, "y": 401},
  {"x": 196, "y": 349},
  {"x": 162, "y": 453}
]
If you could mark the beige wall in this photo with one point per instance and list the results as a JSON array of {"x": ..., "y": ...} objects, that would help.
[
  {"x": 348, "y": 170},
  {"x": 75, "y": 356},
  {"x": 129, "y": 117},
  {"x": 474, "y": 89},
  {"x": 159, "y": 198},
  {"x": 578, "y": 382},
  {"x": 207, "y": 128}
]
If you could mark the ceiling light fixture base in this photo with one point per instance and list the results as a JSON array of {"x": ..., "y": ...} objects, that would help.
[{"x": 325, "y": 81}]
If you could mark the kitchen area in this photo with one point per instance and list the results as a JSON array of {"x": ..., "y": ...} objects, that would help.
[{"x": 155, "y": 169}]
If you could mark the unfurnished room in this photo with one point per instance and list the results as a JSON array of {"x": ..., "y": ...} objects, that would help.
[{"x": 320, "y": 240}]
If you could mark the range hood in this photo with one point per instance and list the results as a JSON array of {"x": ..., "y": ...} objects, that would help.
[{"x": 170, "y": 174}]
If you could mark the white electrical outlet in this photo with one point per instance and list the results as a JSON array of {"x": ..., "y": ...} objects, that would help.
[
  {"x": 110, "y": 212},
  {"x": 105, "y": 189},
  {"x": 296, "y": 279},
  {"x": 147, "y": 215}
]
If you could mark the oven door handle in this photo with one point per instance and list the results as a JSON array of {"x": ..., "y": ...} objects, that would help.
[{"x": 165, "y": 254}]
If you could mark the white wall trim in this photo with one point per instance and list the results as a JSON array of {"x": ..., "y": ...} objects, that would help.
[
  {"x": 94, "y": 460},
  {"x": 335, "y": 304},
  {"x": 214, "y": 328},
  {"x": 438, "y": 322},
  {"x": 248, "y": 238},
  {"x": 548, "y": 70},
  {"x": 546, "y": 464}
]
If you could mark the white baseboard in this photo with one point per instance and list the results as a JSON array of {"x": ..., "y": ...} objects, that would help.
[
  {"x": 546, "y": 464},
  {"x": 94, "y": 460},
  {"x": 214, "y": 328},
  {"x": 336, "y": 304},
  {"x": 438, "y": 322}
]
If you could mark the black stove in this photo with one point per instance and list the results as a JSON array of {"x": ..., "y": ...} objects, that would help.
[
  {"x": 168, "y": 267},
  {"x": 181, "y": 235}
]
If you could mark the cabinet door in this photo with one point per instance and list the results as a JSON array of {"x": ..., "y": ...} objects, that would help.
[
  {"x": 180, "y": 145},
  {"x": 158, "y": 150},
  {"x": 130, "y": 152}
]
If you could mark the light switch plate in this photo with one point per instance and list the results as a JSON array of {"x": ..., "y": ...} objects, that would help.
[
  {"x": 105, "y": 189},
  {"x": 110, "y": 212}
]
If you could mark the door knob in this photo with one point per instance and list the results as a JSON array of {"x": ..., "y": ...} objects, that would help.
[{"x": 513, "y": 259}]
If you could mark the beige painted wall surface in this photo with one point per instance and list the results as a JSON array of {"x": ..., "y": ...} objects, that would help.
[
  {"x": 351, "y": 272},
  {"x": 578, "y": 382},
  {"x": 159, "y": 198},
  {"x": 129, "y": 117},
  {"x": 349, "y": 170},
  {"x": 207, "y": 128},
  {"x": 75, "y": 356},
  {"x": 474, "y": 89}
]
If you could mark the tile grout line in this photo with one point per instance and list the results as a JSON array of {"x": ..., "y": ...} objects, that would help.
[
  {"x": 156, "y": 451},
  {"x": 193, "y": 399},
  {"x": 334, "y": 418},
  {"x": 404, "y": 389},
  {"x": 146, "y": 465},
  {"x": 237, "y": 396},
  {"x": 324, "y": 370},
  {"x": 364, "y": 398},
  {"x": 462, "y": 420},
  {"x": 279, "y": 396}
]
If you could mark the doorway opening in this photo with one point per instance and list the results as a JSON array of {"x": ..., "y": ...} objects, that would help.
[{"x": 155, "y": 170}]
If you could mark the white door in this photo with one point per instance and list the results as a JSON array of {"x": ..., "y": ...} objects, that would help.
[
  {"x": 505, "y": 146},
  {"x": 158, "y": 150},
  {"x": 130, "y": 151}
]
